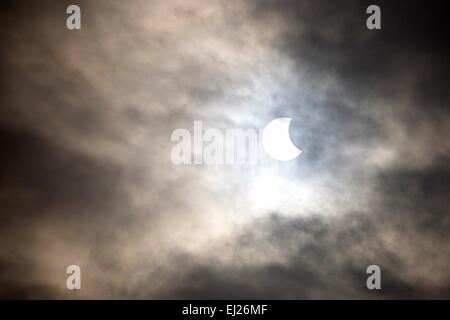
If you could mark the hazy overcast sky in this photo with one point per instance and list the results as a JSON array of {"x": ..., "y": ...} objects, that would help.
[{"x": 85, "y": 170}]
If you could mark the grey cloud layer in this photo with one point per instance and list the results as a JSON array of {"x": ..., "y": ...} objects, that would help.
[{"x": 86, "y": 176}]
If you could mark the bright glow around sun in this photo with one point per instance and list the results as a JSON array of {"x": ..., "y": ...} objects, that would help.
[{"x": 265, "y": 191}]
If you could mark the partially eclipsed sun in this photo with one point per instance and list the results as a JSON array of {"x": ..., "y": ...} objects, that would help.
[{"x": 277, "y": 142}]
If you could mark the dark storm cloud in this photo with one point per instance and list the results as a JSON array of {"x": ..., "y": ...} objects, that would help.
[
  {"x": 84, "y": 127},
  {"x": 328, "y": 259},
  {"x": 56, "y": 200},
  {"x": 43, "y": 185},
  {"x": 420, "y": 197},
  {"x": 55, "y": 178},
  {"x": 330, "y": 255},
  {"x": 412, "y": 33}
]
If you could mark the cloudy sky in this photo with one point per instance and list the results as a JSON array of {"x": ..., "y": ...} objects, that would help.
[{"x": 86, "y": 176}]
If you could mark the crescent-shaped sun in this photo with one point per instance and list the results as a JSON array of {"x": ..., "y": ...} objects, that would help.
[{"x": 277, "y": 142}]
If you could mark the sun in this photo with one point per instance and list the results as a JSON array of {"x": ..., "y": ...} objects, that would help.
[{"x": 277, "y": 142}]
